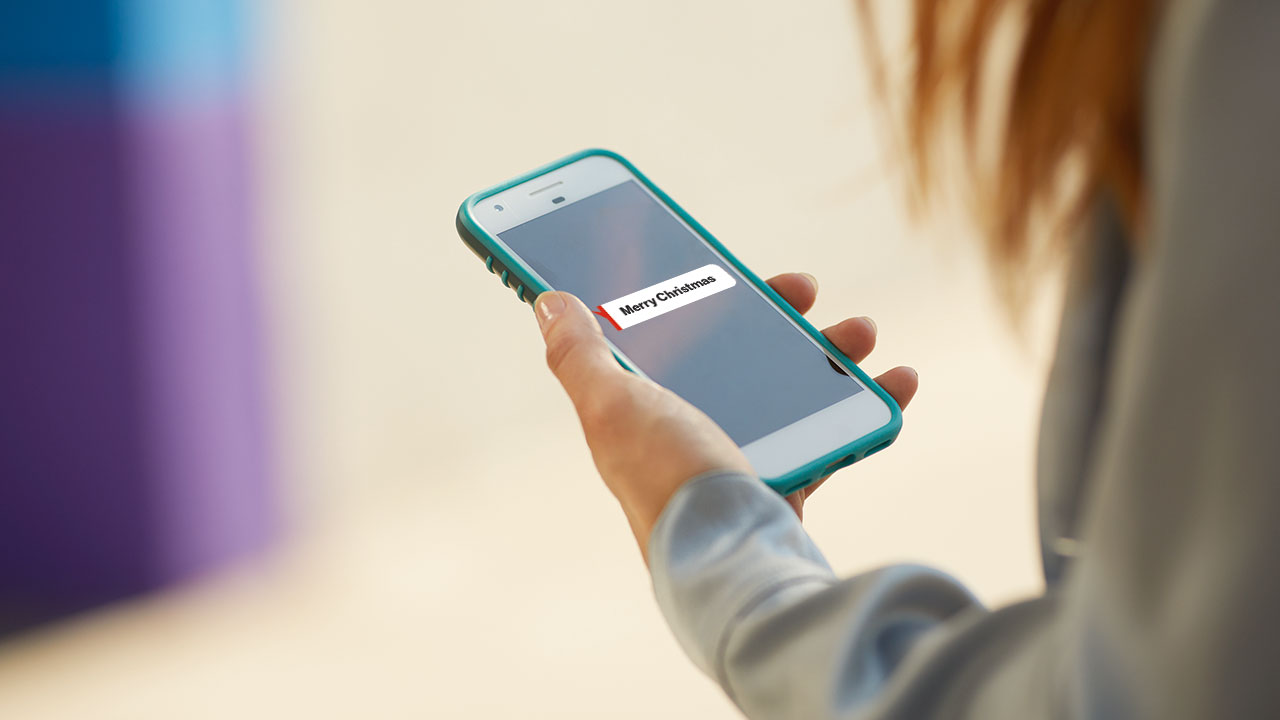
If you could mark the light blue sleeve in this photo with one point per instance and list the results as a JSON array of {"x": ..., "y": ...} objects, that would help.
[{"x": 756, "y": 606}]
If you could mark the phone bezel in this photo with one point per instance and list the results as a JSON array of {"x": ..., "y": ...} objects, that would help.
[{"x": 787, "y": 458}]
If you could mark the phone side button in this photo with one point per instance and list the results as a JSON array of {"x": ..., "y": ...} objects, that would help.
[
  {"x": 488, "y": 263},
  {"x": 505, "y": 273},
  {"x": 520, "y": 293}
]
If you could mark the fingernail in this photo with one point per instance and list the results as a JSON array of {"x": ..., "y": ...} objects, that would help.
[
  {"x": 548, "y": 305},
  {"x": 913, "y": 371},
  {"x": 872, "y": 323},
  {"x": 812, "y": 280}
]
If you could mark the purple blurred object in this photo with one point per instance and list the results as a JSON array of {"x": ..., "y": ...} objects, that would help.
[{"x": 133, "y": 447}]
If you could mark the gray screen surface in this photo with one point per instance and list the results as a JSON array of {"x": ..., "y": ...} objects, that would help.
[{"x": 731, "y": 354}]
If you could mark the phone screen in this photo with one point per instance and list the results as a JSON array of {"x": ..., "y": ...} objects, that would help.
[{"x": 682, "y": 314}]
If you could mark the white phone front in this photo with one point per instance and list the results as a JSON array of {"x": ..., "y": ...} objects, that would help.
[{"x": 681, "y": 313}]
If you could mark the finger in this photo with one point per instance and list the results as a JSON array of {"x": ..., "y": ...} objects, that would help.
[
  {"x": 798, "y": 289},
  {"x": 901, "y": 383},
  {"x": 809, "y": 490},
  {"x": 796, "y": 501},
  {"x": 797, "y": 498},
  {"x": 855, "y": 337},
  {"x": 576, "y": 351}
]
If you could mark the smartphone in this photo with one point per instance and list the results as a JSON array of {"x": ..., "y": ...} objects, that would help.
[{"x": 677, "y": 307}]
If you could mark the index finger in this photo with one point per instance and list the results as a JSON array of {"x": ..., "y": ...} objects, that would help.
[{"x": 800, "y": 290}]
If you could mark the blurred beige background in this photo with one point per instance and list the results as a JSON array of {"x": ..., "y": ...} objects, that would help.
[{"x": 450, "y": 551}]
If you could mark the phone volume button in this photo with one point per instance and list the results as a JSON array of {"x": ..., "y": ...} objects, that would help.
[
  {"x": 505, "y": 273},
  {"x": 488, "y": 263},
  {"x": 520, "y": 293}
]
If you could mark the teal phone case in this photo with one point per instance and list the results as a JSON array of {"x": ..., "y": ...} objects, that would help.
[{"x": 515, "y": 274}]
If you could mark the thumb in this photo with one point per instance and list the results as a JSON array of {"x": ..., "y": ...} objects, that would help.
[{"x": 576, "y": 351}]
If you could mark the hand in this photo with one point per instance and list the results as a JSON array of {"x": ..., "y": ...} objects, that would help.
[{"x": 645, "y": 440}]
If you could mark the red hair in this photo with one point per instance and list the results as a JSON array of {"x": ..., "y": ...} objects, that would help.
[{"x": 1071, "y": 123}]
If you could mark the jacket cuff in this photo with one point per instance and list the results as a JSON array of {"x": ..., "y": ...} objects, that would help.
[{"x": 725, "y": 543}]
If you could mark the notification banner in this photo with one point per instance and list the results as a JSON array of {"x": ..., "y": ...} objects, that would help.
[{"x": 666, "y": 296}]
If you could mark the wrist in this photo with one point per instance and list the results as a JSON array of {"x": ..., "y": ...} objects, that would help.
[{"x": 643, "y": 506}]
